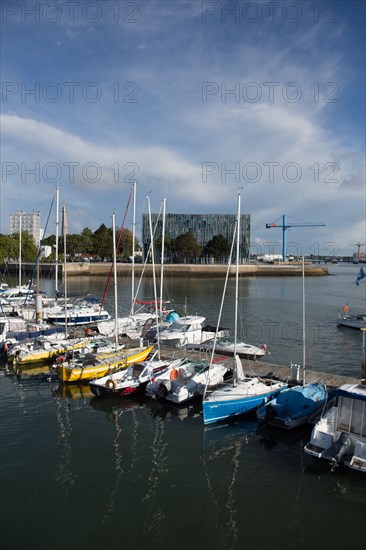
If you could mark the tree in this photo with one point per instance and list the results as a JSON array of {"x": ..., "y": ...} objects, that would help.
[
  {"x": 125, "y": 244},
  {"x": 186, "y": 247},
  {"x": 29, "y": 248},
  {"x": 88, "y": 240},
  {"x": 8, "y": 248},
  {"x": 74, "y": 245},
  {"x": 218, "y": 247},
  {"x": 103, "y": 242}
]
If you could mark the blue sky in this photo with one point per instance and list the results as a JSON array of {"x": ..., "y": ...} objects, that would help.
[{"x": 193, "y": 100}]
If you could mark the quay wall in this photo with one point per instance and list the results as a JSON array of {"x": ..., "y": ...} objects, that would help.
[{"x": 196, "y": 270}]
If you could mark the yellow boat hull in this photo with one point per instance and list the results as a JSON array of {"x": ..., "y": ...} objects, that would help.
[
  {"x": 46, "y": 355},
  {"x": 89, "y": 372}
]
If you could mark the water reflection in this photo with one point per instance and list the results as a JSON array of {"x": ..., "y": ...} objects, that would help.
[
  {"x": 224, "y": 444},
  {"x": 73, "y": 391},
  {"x": 64, "y": 475},
  {"x": 117, "y": 465}
]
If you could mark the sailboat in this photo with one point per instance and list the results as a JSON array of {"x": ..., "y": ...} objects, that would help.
[
  {"x": 94, "y": 365},
  {"x": 242, "y": 394},
  {"x": 297, "y": 405}
]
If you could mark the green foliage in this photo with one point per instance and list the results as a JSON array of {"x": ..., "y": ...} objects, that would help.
[
  {"x": 103, "y": 242},
  {"x": 218, "y": 247},
  {"x": 8, "y": 248},
  {"x": 185, "y": 246}
]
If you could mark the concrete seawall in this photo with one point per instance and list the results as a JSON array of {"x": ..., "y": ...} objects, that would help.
[{"x": 196, "y": 270}]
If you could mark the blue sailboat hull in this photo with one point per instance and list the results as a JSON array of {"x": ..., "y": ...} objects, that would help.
[{"x": 217, "y": 410}]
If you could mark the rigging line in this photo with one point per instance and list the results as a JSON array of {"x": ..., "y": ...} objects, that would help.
[
  {"x": 221, "y": 305},
  {"x": 117, "y": 245},
  {"x": 39, "y": 252},
  {"x": 134, "y": 298}
]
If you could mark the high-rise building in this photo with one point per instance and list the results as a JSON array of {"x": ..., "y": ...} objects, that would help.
[
  {"x": 29, "y": 222},
  {"x": 203, "y": 226}
]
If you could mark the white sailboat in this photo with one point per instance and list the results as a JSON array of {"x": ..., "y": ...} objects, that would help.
[
  {"x": 242, "y": 394},
  {"x": 296, "y": 406}
]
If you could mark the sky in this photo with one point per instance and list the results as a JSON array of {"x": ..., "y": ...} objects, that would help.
[{"x": 196, "y": 102}]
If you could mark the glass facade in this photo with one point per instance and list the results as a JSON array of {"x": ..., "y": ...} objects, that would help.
[{"x": 203, "y": 226}]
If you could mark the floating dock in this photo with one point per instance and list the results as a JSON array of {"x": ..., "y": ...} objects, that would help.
[{"x": 261, "y": 368}]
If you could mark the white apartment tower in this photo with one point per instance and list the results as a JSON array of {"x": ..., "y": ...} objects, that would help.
[{"x": 29, "y": 222}]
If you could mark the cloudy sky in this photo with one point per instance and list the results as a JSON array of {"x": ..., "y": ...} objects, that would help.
[{"x": 193, "y": 100}]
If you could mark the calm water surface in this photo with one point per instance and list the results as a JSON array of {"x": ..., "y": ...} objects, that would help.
[{"x": 82, "y": 473}]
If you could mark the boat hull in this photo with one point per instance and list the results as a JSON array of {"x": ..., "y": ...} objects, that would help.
[
  {"x": 352, "y": 323},
  {"x": 75, "y": 374},
  {"x": 221, "y": 408},
  {"x": 46, "y": 355},
  {"x": 294, "y": 406}
]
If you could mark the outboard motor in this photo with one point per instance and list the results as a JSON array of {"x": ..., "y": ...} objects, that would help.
[
  {"x": 162, "y": 391},
  {"x": 344, "y": 448}
]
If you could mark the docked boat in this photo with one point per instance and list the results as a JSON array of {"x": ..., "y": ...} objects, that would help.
[
  {"x": 225, "y": 346},
  {"x": 133, "y": 379},
  {"x": 357, "y": 321},
  {"x": 16, "y": 329},
  {"x": 80, "y": 313},
  {"x": 294, "y": 406},
  {"x": 243, "y": 394},
  {"x": 44, "y": 349},
  {"x": 188, "y": 330},
  {"x": 93, "y": 365},
  {"x": 300, "y": 404},
  {"x": 340, "y": 435},
  {"x": 186, "y": 382}
]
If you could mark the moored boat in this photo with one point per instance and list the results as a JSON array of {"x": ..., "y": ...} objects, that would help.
[
  {"x": 294, "y": 406},
  {"x": 186, "y": 381},
  {"x": 95, "y": 366},
  {"x": 133, "y": 379},
  {"x": 242, "y": 394},
  {"x": 357, "y": 321},
  {"x": 340, "y": 435},
  {"x": 43, "y": 350}
]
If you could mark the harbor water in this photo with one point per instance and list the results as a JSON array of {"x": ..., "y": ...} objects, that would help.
[{"x": 81, "y": 473}]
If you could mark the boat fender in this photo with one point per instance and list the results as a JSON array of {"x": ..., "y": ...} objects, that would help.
[
  {"x": 60, "y": 359},
  {"x": 110, "y": 384},
  {"x": 173, "y": 374}
]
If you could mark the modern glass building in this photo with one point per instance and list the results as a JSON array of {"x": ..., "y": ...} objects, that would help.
[{"x": 203, "y": 226}]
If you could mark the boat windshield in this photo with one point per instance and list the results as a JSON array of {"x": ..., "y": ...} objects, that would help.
[{"x": 178, "y": 327}]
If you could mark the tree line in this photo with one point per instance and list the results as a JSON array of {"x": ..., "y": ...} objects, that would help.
[{"x": 99, "y": 244}]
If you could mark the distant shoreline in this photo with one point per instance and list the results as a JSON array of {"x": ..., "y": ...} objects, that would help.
[{"x": 196, "y": 270}]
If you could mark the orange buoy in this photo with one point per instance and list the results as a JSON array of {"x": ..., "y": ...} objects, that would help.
[{"x": 173, "y": 374}]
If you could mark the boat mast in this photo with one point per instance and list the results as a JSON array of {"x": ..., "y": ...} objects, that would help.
[
  {"x": 115, "y": 281},
  {"x": 303, "y": 323},
  {"x": 154, "y": 278},
  {"x": 133, "y": 248},
  {"x": 236, "y": 289},
  {"x": 56, "y": 245},
  {"x": 64, "y": 232},
  {"x": 20, "y": 252},
  {"x": 162, "y": 257}
]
